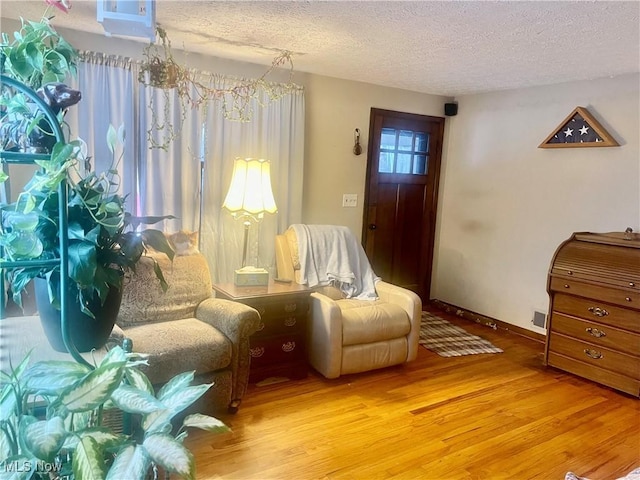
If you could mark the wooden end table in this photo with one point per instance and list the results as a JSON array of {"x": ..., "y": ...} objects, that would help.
[{"x": 278, "y": 347}]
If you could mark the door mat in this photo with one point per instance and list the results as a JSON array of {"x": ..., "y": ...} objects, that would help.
[{"x": 448, "y": 340}]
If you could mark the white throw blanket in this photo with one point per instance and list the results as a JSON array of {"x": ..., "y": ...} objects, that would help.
[{"x": 330, "y": 255}]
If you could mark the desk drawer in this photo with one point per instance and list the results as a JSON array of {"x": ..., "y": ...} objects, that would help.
[
  {"x": 624, "y": 298},
  {"x": 591, "y": 372},
  {"x": 601, "y": 357},
  {"x": 597, "y": 311},
  {"x": 596, "y": 333}
]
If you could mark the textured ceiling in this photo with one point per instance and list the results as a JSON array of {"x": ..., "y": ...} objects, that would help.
[{"x": 447, "y": 48}]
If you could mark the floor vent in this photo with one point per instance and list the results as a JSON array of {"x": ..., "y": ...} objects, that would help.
[{"x": 539, "y": 319}]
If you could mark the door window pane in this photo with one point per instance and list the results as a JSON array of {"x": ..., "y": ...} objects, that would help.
[
  {"x": 405, "y": 140},
  {"x": 422, "y": 142},
  {"x": 385, "y": 164},
  {"x": 420, "y": 163},
  {"x": 404, "y": 163},
  {"x": 403, "y": 152},
  {"x": 388, "y": 139}
]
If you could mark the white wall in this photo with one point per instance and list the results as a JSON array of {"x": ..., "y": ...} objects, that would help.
[{"x": 506, "y": 204}]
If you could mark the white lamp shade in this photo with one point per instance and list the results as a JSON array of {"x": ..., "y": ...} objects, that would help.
[{"x": 250, "y": 190}]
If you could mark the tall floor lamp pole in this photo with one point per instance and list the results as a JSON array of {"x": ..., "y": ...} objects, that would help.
[{"x": 203, "y": 139}]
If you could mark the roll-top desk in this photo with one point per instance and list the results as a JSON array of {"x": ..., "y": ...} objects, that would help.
[{"x": 594, "y": 310}]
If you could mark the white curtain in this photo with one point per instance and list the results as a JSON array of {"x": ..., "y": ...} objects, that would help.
[
  {"x": 162, "y": 182},
  {"x": 108, "y": 86}
]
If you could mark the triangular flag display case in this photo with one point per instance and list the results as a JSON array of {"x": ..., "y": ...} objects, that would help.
[{"x": 579, "y": 129}]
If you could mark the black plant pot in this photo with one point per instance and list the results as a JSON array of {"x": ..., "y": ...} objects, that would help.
[{"x": 86, "y": 333}]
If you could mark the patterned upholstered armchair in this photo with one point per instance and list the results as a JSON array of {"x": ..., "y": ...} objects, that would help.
[{"x": 185, "y": 328}]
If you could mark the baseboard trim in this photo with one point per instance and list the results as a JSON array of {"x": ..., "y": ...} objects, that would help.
[{"x": 486, "y": 321}]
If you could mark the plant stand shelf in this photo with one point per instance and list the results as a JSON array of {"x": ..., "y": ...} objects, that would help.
[{"x": 18, "y": 158}]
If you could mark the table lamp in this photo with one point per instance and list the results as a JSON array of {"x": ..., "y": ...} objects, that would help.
[{"x": 248, "y": 198}]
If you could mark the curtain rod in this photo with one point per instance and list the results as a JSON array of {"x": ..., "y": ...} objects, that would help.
[{"x": 99, "y": 58}]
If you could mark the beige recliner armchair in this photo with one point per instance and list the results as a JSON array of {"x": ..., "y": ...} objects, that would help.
[
  {"x": 349, "y": 335},
  {"x": 186, "y": 328}
]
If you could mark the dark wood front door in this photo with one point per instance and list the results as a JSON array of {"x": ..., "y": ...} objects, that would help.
[{"x": 403, "y": 170}]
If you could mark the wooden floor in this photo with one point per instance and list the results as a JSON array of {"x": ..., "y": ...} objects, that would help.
[{"x": 500, "y": 416}]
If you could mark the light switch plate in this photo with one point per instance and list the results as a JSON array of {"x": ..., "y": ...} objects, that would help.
[{"x": 350, "y": 200}]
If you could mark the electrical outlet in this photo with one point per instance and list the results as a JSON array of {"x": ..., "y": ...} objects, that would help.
[{"x": 350, "y": 200}]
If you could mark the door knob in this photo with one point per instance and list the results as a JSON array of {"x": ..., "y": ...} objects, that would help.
[{"x": 372, "y": 226}]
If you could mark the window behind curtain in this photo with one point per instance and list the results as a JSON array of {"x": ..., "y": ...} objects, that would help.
[{"x": 168, "y": 182}]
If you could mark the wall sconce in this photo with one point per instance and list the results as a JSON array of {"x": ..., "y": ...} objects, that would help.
[{"x": 357, "y": 148}]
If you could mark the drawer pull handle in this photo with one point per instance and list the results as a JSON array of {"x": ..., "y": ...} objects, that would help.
[
  {"x": 256, "y": 352},
  {"x": 289, "y": 321},
  {"x": 595, "y": 332},
  {"x": 628, "y": 299},
  {"x": 288, "y": 347},
  {"x": 631, "y": 284},
  {"x": 566, "y": 285},
  {"x": 290, "y": 307},
  {"x": 593, "y": 354},
  {"x": 569, "y": 272},
  {"x": 598, "y": 312}
]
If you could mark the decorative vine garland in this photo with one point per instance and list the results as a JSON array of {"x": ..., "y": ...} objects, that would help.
[{"x": 160, "y": 70}]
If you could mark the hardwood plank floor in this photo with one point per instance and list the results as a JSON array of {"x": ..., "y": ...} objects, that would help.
[{"x": 500, "y": 416}]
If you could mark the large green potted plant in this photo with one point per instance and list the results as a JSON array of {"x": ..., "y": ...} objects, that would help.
[
  {"x": 104, "y": 242},
  {"x": 35, "y": 55},
  {"x": 53, "y": 421}
]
